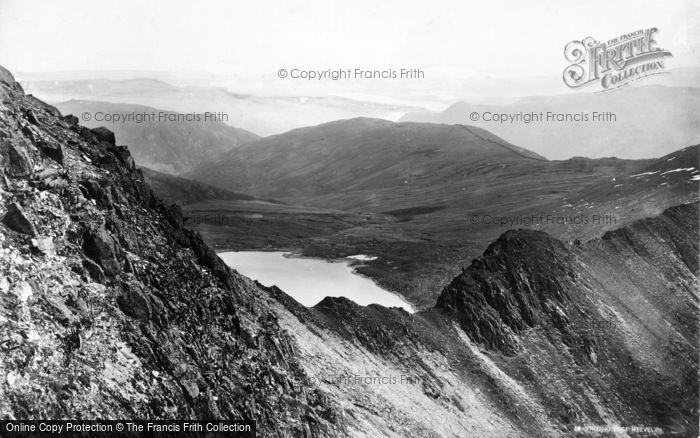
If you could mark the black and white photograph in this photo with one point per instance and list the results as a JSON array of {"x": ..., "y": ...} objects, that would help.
[{"x": 330, "y": 219}]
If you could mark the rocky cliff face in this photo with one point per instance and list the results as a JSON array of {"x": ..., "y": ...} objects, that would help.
[{"x": 110, "y": 308}]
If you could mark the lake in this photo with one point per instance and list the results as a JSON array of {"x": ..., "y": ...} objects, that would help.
[{"x": 310, "y": 280}]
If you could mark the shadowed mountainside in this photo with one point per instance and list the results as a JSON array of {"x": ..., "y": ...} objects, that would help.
[
  {"x": 158, "y": 142},
  {"x": 184, "y": 191},
  {"x": 363, "y": 156}
]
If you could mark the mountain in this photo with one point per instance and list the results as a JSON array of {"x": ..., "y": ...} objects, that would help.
[
  {"x": 619, "y": 312},
  {"x": 184, "y": 191},
  {"x": 111, "y": 308},
  {"x": 159, "y": 139},
  {"x": 365, "y": 156},
  {"x": 648, "y": 121}
]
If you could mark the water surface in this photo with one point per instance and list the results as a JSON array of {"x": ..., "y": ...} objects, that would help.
[{"x": 310, "y": 280}]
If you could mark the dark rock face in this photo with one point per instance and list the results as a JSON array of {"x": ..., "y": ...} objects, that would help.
[
  {"x": 71, "y": 120},
  {"x": 20, "y": 164},
  {"x": 134, "y": 302},
  {"x": 99, "y": 192},
  {"x": 521, "y": 277},
  {"x": 102, "y": 248},
  {"x": 17, "y": 220},
  {"x": 94, "y": 271},
  {"x": 104, "y": 134}
]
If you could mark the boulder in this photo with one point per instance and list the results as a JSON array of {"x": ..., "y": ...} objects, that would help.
[
  {"x": 97, "y": 192},
  {"x": 20, "y": 163},
  {"x": 134, "y": 302},
  {"x": 16, "y": 219},
  {"x": 94, "y": 271},
  {"x": 104, "y": 134},
  {"x": 57, "y": 308},
  {"x": 101, "y": 247},
  {"x": 71, "y": 120},
  {"x": 190, "y": 388}
]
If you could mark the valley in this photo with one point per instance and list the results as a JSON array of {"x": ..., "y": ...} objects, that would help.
[{"x": 448, "y": 192}]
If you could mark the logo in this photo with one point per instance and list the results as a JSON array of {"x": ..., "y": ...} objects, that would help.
[{"x": 614, "y": 63}]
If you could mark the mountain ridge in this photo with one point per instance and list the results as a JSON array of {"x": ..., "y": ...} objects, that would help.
[
  {"x": 646, "y": 130},
  {"x": 350, "y": 155}
]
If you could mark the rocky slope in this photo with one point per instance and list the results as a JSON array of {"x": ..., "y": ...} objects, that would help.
[
  {"x": 535, "y": 338},
  {"x": 110, "y": 308}
]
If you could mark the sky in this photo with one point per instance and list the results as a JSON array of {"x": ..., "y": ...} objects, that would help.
[{"x": 252, "y": 40}]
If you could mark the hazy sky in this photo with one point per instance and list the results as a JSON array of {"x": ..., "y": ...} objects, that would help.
[
  {"x": 473, "y": 38},
  {"x": 453, "y": 42}
]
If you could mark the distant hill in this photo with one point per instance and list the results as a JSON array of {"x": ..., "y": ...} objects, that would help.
[
  {"x": 650, "y": 121},
  {"x": 647, "y": 191},
  {"x": 185, "y": 191},
  {"x": 361, "y": 155},
  {"x": 170, "y": 147}
]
